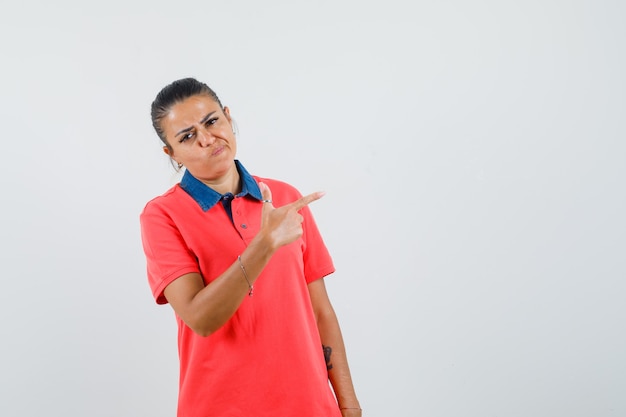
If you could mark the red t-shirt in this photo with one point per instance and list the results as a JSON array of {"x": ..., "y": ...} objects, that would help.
[{"x": 267, "y": 360}]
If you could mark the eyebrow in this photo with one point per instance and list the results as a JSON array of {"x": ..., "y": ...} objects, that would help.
[{"x": 203, "y": 121}]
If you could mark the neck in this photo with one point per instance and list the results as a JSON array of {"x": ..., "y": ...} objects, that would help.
[{"x": 228, "y": 183}]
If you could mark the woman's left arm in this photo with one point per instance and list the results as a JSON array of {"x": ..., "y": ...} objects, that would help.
[{"x": 334, "y": 350}]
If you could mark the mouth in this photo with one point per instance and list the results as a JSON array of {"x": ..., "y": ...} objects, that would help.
[{"x": 217, "y": 151}]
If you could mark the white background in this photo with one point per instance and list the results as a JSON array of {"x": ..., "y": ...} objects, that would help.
[{"x": 473, "y": 157}]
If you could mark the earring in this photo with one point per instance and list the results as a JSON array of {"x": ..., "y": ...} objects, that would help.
[{"x": 180, "y": 165}]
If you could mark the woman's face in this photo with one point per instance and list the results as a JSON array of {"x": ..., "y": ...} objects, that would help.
[{"x": 201, "y": 137}]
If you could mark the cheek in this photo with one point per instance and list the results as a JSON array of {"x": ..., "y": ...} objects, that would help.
[{"x": 229, "y": 137}]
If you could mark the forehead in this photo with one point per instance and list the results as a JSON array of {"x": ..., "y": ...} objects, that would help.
[{"x": 188, "y": 112}]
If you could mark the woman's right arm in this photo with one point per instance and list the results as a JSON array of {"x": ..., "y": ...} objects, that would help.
[{"x": 207, "y": 308}]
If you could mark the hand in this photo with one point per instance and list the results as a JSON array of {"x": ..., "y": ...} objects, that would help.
[{"x": 283, "y": 225}]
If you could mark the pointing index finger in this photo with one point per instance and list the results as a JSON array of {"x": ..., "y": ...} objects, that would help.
[{"x": 306, "y": 200}]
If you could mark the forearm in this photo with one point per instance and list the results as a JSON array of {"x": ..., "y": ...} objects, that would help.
[
  {"x": 334, "y": 350},
  {"x": 209, "y": 307},
  {"x": 337, "y": 361}
]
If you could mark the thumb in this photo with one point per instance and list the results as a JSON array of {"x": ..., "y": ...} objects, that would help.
[{"x": 266, "y": 193}]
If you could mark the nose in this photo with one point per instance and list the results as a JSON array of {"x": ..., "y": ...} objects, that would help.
[{"x": 205, "y": 138}]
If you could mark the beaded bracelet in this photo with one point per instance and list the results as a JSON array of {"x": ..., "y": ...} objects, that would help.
[{"x": 245, "y": 275}]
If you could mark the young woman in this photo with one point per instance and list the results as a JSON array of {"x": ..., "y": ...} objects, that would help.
[{"x": 242, "y": 263}]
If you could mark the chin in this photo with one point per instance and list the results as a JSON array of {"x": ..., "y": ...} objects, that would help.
[{"x": 217, "y": 170}]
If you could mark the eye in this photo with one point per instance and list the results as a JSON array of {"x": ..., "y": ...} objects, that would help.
[
  {"x": 211, "y": 121},
  {"x": 186, "y": 136}
]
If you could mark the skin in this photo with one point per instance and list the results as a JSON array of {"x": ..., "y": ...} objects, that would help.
[{"x": 200, "y": 136}]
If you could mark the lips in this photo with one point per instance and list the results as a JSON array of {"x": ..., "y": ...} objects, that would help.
[{"x": 217, "y": 151}]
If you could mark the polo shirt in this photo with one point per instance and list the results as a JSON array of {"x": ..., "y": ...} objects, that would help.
[{"x": 267, "y": 360}]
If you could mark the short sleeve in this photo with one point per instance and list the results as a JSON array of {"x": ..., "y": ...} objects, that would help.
[
  {"x": 167, "y": 255},
  {"x": 317, "y": 260}
]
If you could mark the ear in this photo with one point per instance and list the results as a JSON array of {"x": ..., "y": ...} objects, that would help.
[
  {"x": 227, "y": 113},
  {"x": 167, "y": 151}
]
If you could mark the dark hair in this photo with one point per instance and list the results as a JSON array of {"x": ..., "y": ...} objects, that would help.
[{"x": 174, "y": 93}]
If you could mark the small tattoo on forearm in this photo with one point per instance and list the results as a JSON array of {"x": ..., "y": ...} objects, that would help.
[{"x": 327, "y": 352}]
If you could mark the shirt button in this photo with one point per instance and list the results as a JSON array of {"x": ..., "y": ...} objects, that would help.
[{"x": 244, "y": 226}]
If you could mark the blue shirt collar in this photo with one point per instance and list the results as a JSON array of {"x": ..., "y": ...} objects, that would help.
[{"x": 207, "y": 197}]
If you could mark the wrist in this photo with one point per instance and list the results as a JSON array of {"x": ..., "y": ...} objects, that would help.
[
  {"x": 348, "y": 401},
  {"x": 265, "y": 243},
  {"x": 263, "y": 246}
]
